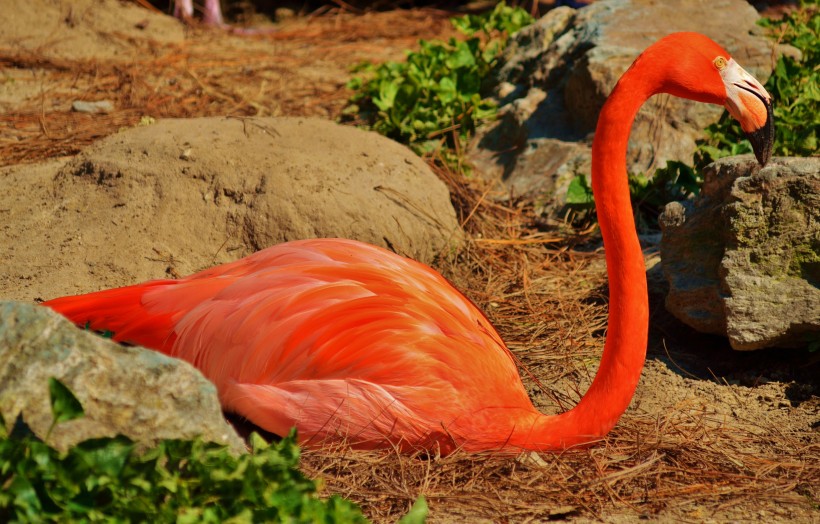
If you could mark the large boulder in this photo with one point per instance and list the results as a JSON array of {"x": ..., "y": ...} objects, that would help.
[
  {"x": 743, "y": 259},
  {"x": 557, "y": 73},
  {"x": 129, "y": 391},
  {"x": 177, "y": 196}
]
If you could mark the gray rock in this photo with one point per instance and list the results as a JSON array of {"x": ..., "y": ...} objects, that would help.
[
  {"x": 131, "y": 391},
  {"x": 743, "y": 259},
  {"x": 564, "y": 67}
]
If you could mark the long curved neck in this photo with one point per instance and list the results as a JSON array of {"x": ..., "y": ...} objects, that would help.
[{"x": 625, "y": 348}]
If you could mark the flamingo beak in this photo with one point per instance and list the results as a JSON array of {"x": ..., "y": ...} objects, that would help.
[{"x": 749, "y": 103}]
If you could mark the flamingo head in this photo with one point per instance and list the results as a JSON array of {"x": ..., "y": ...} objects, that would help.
[
  {"x": 707, "y": 73},
  {"x": 749, "y": 103}
]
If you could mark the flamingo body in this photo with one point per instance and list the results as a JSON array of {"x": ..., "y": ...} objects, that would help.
[
  {"x": 341, "y": 339},
  {"x": 350, "y": 342}
]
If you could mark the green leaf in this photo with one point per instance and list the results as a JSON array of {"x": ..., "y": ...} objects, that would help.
[
  {"x": 387, "y": 94},
  {"x": 447, "y": 90},
  {"x": 64, "y": 405},
  {"x": 579, "y": 193},
  {"x": 417, "y": 514},
  {"x": 460, "y": 57},
  {"x": 25, "y": 496},
  {"x": 107, "y": 456}
]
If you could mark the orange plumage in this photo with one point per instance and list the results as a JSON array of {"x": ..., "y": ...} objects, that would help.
[{"x": 350, "y": 342}]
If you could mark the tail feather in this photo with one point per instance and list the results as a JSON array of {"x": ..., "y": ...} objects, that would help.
[{"x": 123, "y": 312}]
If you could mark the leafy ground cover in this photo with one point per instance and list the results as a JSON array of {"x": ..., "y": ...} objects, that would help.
[
  {"x": 181, "y": 481},
  {"x": 435, "y": 98}
]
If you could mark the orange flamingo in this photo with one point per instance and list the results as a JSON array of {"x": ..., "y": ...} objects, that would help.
[{"x": 347, "y": 341}]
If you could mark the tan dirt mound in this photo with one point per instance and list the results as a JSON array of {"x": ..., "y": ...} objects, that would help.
[
  {"x": 169, "y": 199},
  {"x": 83, "y": 29}
]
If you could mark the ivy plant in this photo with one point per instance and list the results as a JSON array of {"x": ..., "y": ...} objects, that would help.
[
  {"x": 435, "y": 96},
  {"x": 182, "y": 481}
]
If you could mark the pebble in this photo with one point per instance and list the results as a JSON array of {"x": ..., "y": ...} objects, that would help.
[{"x": 102, "y": 106}]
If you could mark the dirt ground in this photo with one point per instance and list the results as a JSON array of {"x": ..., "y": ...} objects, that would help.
[{"x": 711, "y": 436}]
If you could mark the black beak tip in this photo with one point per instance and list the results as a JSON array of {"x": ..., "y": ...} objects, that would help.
[{"x": 762, "y": 139}]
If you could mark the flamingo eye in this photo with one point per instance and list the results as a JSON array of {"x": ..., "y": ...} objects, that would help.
[{"x": 720, "y": 63}]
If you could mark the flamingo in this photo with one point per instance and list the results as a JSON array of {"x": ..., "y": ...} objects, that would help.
[
  {"x": 350, "y": 342},
  {"x": 211, "y": 13},
  {"x": 211, "y": 17}
]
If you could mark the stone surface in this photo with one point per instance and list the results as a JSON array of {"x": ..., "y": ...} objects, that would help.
[
  {"x": 178, "y": 196},
  {"x": 124, "y": 390},
  {"x": 557, "y": 73},
  {"x": 743, "y": 259}
]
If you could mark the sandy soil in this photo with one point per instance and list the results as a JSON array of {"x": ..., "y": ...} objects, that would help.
[{"x": 712, "y": 435}]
